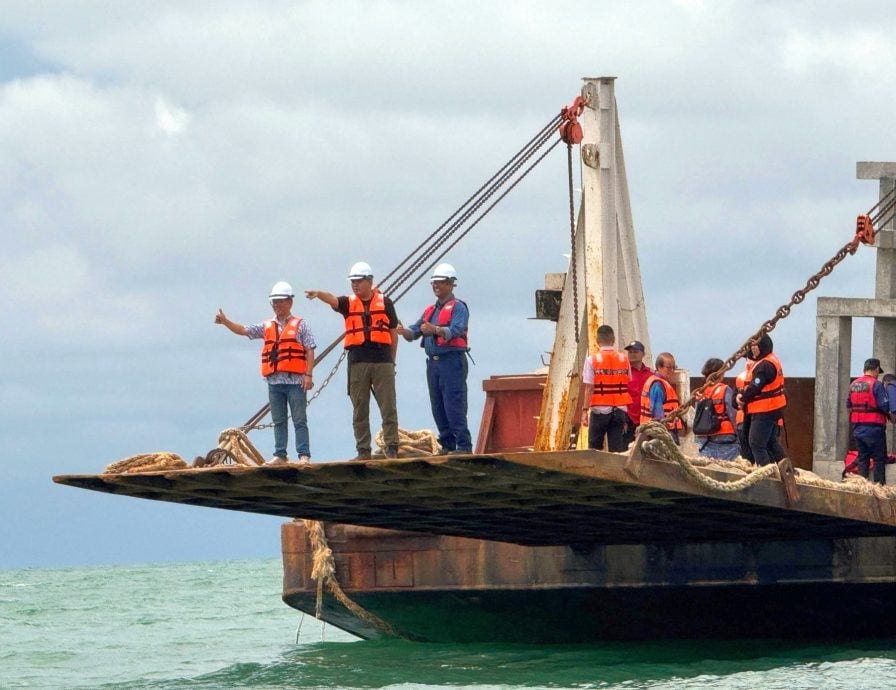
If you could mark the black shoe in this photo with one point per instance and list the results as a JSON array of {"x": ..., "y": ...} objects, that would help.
[
  {"x": 459, "y": 451},
  {"x": 444, "y": 451},
  {"x": 362, "y": 455},
  {"x": 391, "y": 451}
]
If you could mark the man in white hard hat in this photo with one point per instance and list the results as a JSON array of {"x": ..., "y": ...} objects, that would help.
[
  {"x": 370, "y": 322},
  {"x": 443, "y": 327},
  {"x": 287, "y": 363}
]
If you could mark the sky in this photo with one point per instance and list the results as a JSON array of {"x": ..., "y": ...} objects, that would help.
[{"x": 159, "y": 161}]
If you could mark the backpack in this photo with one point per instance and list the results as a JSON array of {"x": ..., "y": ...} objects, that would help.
[{"x": 706, "y": 421}]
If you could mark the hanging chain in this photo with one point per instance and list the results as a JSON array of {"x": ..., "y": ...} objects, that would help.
[
  {"x": 862, "y": 235},
  {"x": 329, "y": 377},
  {"x": 572, "y": 242}
]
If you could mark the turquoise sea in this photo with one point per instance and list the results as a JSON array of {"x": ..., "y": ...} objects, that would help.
[{"x": 222, "y": 625}]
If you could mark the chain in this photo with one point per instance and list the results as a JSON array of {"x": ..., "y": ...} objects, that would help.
[
  {"x": 782, "y": 313},
  {"x": 329, "y": 377},
  {"x": 572, "y": 242}
]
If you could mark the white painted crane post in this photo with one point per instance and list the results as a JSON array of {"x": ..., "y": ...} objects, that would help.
[{"x": 607, "y": 273}]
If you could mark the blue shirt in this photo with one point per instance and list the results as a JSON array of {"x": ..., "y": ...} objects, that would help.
[{"x": 460, "y": 316}]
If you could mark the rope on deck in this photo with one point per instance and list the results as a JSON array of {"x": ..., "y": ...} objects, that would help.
[
  {"x": 234, "y": 447},
  {"x": 412, "y": 444},
  {"x": 323, "y": 570},
  {"x": 147, "y": 462},
  {"x": 659, "y": 444}
]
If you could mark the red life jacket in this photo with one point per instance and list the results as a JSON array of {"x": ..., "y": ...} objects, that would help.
[
  {"x": 771, "y": 397},
  {"x": 863, "y": 407},
  {"x": 367, "y": 323},
  {"x": 282, "y": 350},
  {"x": 611, "y": 377},
  {"x": 717, "y": 395},
  {"x": 670, "y": 405},
  {"x": 443, "y": 320}
]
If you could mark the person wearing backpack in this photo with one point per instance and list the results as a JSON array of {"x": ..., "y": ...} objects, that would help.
[{"x": 714, "y": 415}]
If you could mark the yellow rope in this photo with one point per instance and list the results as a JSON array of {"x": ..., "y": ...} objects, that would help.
[
  {"x": 412, "y": 444},
  {"x": 659, "y": 443},
  {"x": 147, "y": 462},
  {"x": 323, "y": 570}
]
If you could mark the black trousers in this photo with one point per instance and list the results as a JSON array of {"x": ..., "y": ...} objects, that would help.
[{"x": 610, "y": 425}]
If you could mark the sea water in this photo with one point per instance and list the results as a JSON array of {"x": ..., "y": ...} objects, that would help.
[{"x": 223, "y": 625}]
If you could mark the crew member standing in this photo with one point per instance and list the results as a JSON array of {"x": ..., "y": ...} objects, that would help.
[
  {"x": 606, "y": 377},
  {"x": 443, "y": 328},
  {"x": 722, "y": 443},
  {"x": 764, "y": 402},
  {"x": 659, "y": 397},
  {"x": 741, "y": 427},
  {"x": 287, "y": 363},
  {"x": 868, "y": 404},
  {"x": 640, "y": 372},
  {"x": 370, "y": 338}
]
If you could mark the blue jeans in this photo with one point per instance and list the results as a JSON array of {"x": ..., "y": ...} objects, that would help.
[
  {"x": 446, "y": 377},
  {"x": 279, "y": 395}
]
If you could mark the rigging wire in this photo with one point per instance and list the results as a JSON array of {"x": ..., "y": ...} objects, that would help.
[{"x": 423, "y": 253}]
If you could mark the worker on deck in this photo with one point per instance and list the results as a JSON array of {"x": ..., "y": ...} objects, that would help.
[
  {"x": 889, "y": 382},
  {"x": 640, "y": 372},
  {"x": 287, "y": 363},
  {"x": 371, "y": 343},
  {"x": 868, "y": 406},
  {"x": 443, "y": 328},
  {"x": 659, "y": 397},
  {"x": 722, "y": 443},
  {"x": 606, "y": 377},
  {"x": 741, "y": 428},
  {"x": 764, "y": 401}
]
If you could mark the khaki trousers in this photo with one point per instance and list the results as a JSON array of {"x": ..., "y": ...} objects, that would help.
[{"x": 379, "y": 377}]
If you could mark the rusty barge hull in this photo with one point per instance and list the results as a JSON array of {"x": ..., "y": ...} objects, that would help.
[
  {"x": 564, "y": 546},
  {"x": 449, "y": 589}
]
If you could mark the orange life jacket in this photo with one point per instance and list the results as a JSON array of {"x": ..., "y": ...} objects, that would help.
[
  {"x": 771, "y": 397},
  {"x": 282, "y": 350},
  {"x": 670, "y": 405},
  {"x": 717, "y": 395},
  {"x": 443, "y": 320},
  {"x": 367, "y": 323},
  {"x": 862, "y": 404},
  {"x": 740, "y": 382},
  {"x": 611, "y": 377}
]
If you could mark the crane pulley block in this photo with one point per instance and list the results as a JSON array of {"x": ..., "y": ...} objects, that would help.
[{"x": 570, "y": 129}]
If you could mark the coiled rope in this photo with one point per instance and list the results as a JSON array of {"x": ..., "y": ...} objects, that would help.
[{"x": 659, "y": 444}]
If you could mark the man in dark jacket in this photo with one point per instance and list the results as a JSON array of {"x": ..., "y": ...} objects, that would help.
[{"x": 764, "y": 402}]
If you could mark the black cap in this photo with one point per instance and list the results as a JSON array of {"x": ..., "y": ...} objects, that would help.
[
  {"x": 635, "y": 345},
  {"x": 872, "y": 364}
]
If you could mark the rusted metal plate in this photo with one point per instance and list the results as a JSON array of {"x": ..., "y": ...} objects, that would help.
[{"x": 562, "y": 497}]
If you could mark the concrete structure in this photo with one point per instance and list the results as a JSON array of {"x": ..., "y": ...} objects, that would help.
[{"x": 834, "y": 341}]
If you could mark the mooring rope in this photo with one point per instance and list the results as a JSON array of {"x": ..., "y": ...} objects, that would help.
[
  {"x": 659, "y": 444},
  {"x": 323, "y": 570}
]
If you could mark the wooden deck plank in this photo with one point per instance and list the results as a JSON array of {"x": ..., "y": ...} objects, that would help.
[{"x": 564, "y": 497}]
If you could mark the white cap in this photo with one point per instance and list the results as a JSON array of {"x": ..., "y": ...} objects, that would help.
[
  {"x": 360, "y": 270},
  {"x": 444, "y": 272},
  {"x": 281, "y": 290}
]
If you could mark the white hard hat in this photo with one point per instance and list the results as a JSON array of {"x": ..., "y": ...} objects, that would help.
[
  {"x": 281, "y": 290},
  {"x": 443, "y": 272},
  {"x": 360, "y": 269}
]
